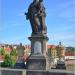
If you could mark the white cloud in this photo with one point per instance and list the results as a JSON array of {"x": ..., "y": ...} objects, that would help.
[
  {"x": 65, "y": 37},
  {"x": 65, "y": 28},
  {"x": 14, "y": 39}
]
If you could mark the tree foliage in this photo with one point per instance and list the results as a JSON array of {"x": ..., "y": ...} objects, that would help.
[
  {"x": 14, "y": 52},
  {"x": 2, "y": 52},
  {"x": 70, "y": 49},
  {"x": 7, "y": 61},
  {"x": 10, "y": 59}
]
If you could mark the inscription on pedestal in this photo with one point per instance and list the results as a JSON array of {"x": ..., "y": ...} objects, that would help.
[{"x": 37, "y": 47}]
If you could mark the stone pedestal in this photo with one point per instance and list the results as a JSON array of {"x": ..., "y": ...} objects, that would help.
[
  {"x": 38, "y": 44},
  {"x": 37, "y": 60}
]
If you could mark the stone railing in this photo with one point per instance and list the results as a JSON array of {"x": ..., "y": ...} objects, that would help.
[{"x": 8, "y": 71}]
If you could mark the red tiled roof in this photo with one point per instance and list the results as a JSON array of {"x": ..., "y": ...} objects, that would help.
[
  {"x": 69, "y": 53},
  {"x": 7, "y": 49},
  {"x": 51, "y": 46}
]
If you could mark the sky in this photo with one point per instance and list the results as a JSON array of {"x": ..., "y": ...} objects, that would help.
[{"x": 15, "y": 29}]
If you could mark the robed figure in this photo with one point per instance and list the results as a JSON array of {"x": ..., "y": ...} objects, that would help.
[{"x": 36, "y": 15}]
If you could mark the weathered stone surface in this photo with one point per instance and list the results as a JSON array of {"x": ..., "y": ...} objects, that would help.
[
  {"x": 36, "y": 15},
  {"x": 7, "y": 71},
  {"x": 42, "y": 41},
  {"x": 37, "y": 47},
  {"x": 36, "y": 62},
  {"x": 36, "y": 73}
]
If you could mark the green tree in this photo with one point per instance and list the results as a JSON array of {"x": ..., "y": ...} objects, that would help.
[
  {"x": 7, "y": 61},
  {"x": 2, "y": 52},
  {"x": 13, "y": 52},
  {"x": 13, "y": 56},
  {"x": 70, "y": 49}
]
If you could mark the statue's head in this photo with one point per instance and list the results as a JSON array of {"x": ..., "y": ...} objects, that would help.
[
  {"x": 35, "y": 0},
  {"x": 40, "y": 0}
]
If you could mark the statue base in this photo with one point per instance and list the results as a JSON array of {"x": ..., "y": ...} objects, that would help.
[
  {"x": 38, "y": 44},
  {"x": 36, "y": 62}
]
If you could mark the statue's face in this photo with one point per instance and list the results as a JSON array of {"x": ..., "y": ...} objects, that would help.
[
  {"x": 36, "y": 0},
  {"x": 40, "y": 0}
]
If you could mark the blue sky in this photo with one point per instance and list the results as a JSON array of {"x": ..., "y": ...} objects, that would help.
[{"x": 14, "y": 28}]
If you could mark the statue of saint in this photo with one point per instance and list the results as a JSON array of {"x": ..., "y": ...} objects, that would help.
[
  {"x": 36, "y": 14},
  {"x": 42, "y": 15}
]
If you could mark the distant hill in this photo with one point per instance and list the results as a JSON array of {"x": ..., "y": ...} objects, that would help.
[{"x": 70, "y": 49}]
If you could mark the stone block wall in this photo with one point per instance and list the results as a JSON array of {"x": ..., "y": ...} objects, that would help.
[
  {"x": 7, "y": 71},
  {"x": 37, "y": 72}
]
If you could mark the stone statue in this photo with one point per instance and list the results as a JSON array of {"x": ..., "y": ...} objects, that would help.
[
  {"x": 36, "y": 15},
  {"x": 42, "y": 15}
]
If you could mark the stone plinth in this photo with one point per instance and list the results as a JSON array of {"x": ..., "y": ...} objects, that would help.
[
  {"x": 36, "y": 62},
  {"x": 38, "y": 44}
]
